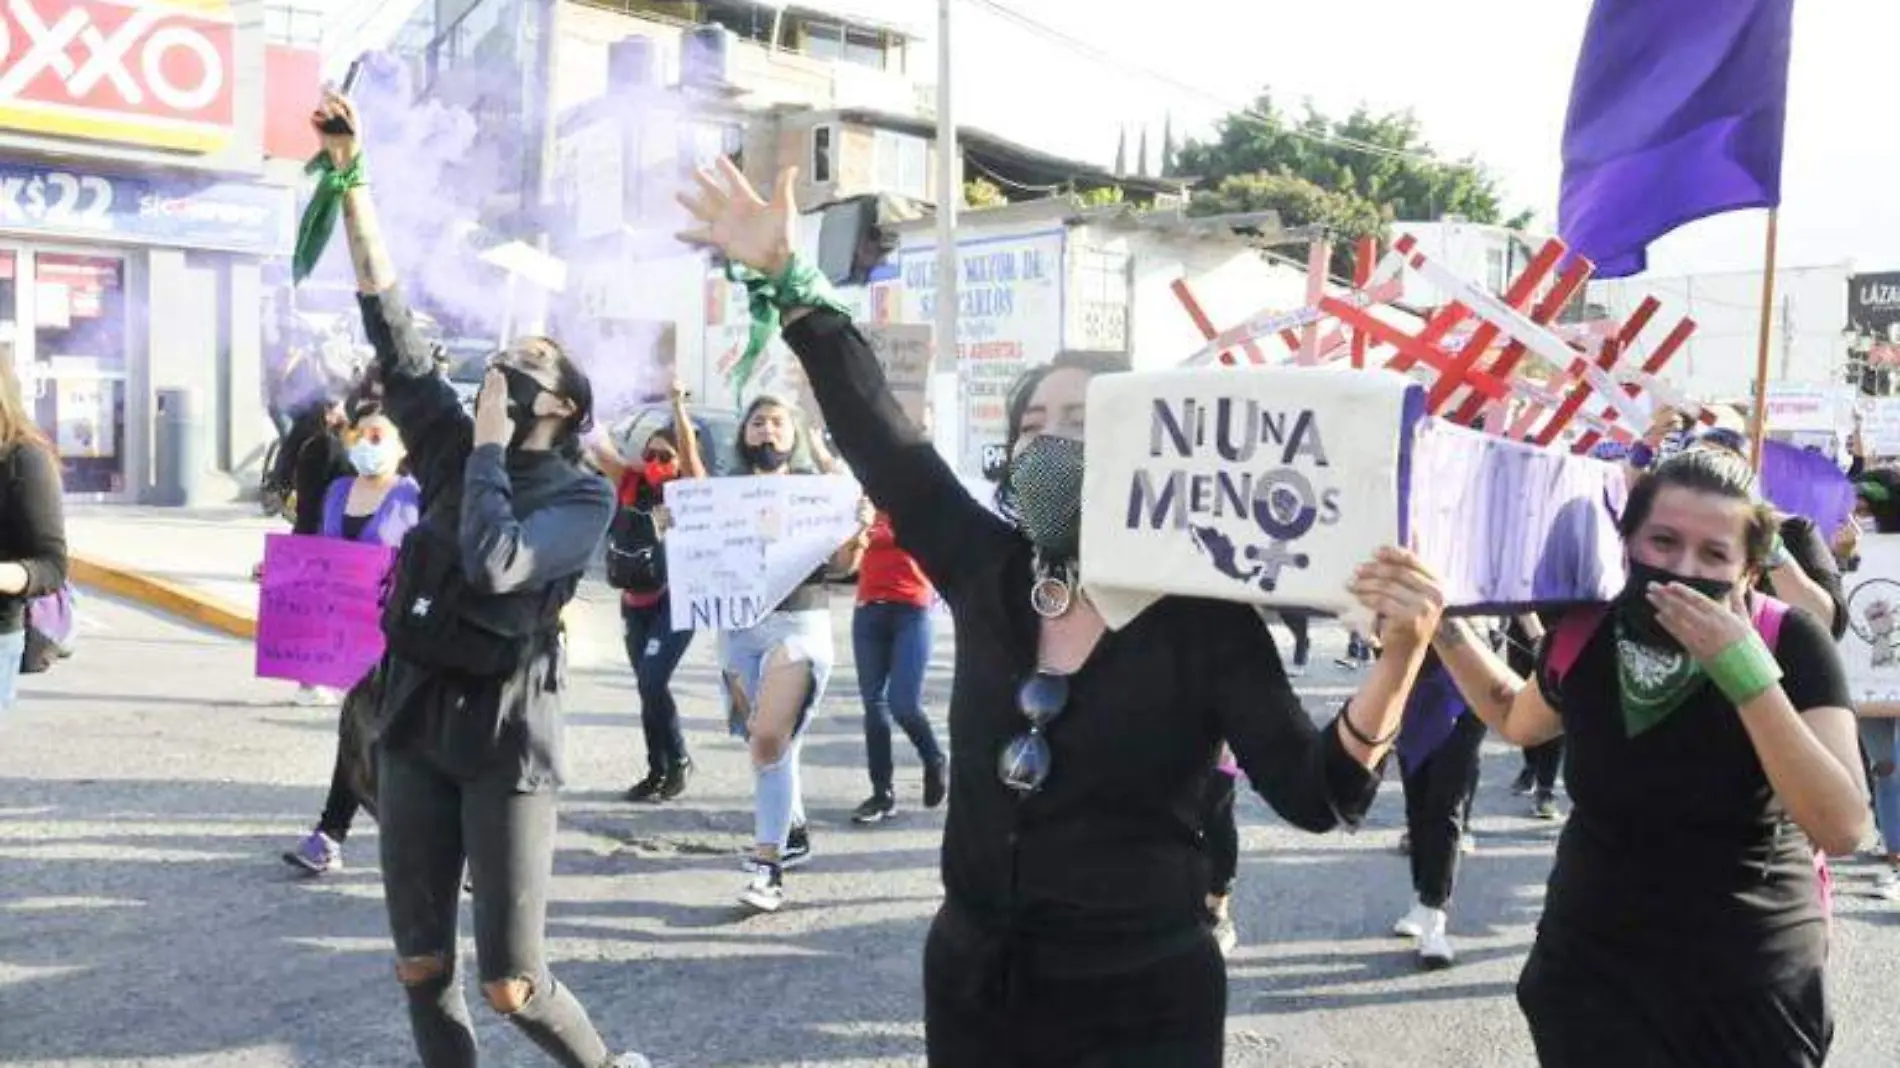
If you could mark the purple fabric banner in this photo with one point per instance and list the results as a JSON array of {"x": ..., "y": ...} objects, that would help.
[
  {"x": 1509, "y": 526},
  {"x": 1808, "y": 484},
  {"x": 1676, "y": 113},
  {"x": 319, "y": 618}
]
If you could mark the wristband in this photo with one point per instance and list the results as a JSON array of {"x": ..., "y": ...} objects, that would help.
[
  {"x": 1745, "y": 670},
  {"x": 799, "y": 285},
  {"x": 1345, "y": 720},
  {"x": 326, "y": 203},
  {"x": 1778, "y": 556}
]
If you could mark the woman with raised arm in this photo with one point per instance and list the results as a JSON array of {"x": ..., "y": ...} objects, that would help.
[
  {"x": 1708, "y": 739},
  {"x": 469, "y": 743},
  {"x": 1074, "y": 929}
]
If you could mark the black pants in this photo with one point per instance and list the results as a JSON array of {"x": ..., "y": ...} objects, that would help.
[
  {"x": 1298, "y": 624},
  {"x": 1544, "y": 761},
  {"x": 339, "y": 805},
  {"x": 431, "y": 823},
  {"x": 1219, "y": 836},
  {"x": 655, "y": 649},
  {"x": 1437, "y": 806},
  {"x": 987, "y": 1008}
]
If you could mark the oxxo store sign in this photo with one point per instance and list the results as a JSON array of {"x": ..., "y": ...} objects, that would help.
[{"x": 156, "y": 73}]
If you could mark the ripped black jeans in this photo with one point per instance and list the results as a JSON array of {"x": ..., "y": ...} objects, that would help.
[{"x": 431, "y": 822}]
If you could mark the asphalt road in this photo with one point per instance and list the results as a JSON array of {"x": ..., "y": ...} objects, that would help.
[{"x": 147, "y": 787}]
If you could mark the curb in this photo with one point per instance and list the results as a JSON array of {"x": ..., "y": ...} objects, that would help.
[{"x": 168, "y": 597}]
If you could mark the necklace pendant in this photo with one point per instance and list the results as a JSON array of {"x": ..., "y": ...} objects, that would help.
[{"x": 1051, "y": 597}]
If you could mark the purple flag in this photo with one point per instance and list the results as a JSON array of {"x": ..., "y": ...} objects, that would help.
[
  {"x": 1676, "y": 114},
  {"x": 1808, "y": 484}
]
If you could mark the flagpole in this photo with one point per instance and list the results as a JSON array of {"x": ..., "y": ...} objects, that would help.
[{"x": 1761, "y": 349}]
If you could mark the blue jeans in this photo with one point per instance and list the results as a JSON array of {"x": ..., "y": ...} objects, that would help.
[
  {"x": 892, "y": 645},
  {"x": 654, "y": 649},
  {"x": 1881, "y": 736},
  {"x": 12, "y": 647}
]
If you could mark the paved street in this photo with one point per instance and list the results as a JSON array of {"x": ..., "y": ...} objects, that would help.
[{"x": 147, "y": 787}]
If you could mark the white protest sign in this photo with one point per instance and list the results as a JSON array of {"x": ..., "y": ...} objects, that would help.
[
  {"x": 1871, "y": 648},
  {"x": 1880, "y": 427},
  {"x": 903, "y": 350},
  {"x": 1263, "y": 486},
  {"x": 738, "y": 546},
  {"x": 1803, "y": 408}
]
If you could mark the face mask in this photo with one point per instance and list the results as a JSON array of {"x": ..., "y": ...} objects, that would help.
[
  {"x": 659, "y": 472},
  {"x": 1638, "y": 616},
  {"x": 766, "y": 457},
  {"x": 523, "y": 391},
  {"x": 1045, "y": 482},
  {"x": 371, "y": 458}
]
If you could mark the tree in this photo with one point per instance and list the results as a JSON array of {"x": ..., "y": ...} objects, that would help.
[
  {"x": 1168, "y": 146},
  {"x": 982, "y": 193},
  {"x": 1299, "y": 203},
  {"x": 1101, "y": 196},
  {"x": 1380, "y": 161}
]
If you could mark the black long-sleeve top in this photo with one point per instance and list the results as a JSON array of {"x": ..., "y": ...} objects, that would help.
[
  {"x": 521, "y": 520},
  {"x": 321, "y": 461},
  {"x": 32, "y": 528},
  {"x": 1104, "y": 860},
  {"x": 1811, "y": 553}
]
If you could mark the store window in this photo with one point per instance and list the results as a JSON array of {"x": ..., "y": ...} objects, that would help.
[
  {"x": 9, "y": 318},
  {"x": 79, "y": 317}
]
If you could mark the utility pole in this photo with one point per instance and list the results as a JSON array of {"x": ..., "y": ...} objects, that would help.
[{"x": 949, "y": 198}]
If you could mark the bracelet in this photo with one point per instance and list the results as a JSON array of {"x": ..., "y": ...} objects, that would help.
[
  {"x": 1778, "y": 555},
  {"x": 1745, "y": 670},
  {"x": 799, "y": 285},
  {"x": 1345, "y": 720}
]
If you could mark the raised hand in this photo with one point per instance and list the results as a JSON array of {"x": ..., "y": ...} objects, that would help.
[
  {"x": 731, "y": 217},
  {"x": 1403, "y": 594},
  {"x": 342, "y": 148}
]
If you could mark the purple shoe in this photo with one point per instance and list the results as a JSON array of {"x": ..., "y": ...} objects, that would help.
[{"x": 317, "y": 854}]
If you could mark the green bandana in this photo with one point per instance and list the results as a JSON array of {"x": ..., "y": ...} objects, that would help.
[
  {"x": 1653, "y": 682},
  {"x": 326, "y": 203},
  {"x": 798, "y": 286},
  {"x": 1873, "y": 491}
]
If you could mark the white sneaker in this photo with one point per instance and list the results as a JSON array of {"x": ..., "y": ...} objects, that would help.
[
  {"x": 1887, "y": 883},
  {"x": 316, "y": 697},
  {"x": 1434, "y": 948},
  {"x": 766, "y": 891},
  {"x": 1413, "y": 923},
  {"x": 1467, "y": 844},
  {"x": 1226, "y": 934}
]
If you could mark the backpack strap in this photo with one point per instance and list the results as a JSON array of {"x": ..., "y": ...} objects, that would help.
[
  {"x": 1569, "y": 637},
  {"x": 1769, "y": 614}
]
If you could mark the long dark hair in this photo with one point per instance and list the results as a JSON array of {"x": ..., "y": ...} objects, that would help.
[
  {"x": 1717, "y": 472},
  {"x": 801, "y": 450},
  {"x": 572, "y": 384}
]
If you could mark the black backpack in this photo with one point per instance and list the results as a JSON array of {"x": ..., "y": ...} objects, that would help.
[
  {"x": 434, "y": 618},
  {"x": 636, "y": 561}
]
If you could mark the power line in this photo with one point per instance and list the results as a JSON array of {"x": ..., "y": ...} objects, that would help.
[{"x": 1247, "y": 114}]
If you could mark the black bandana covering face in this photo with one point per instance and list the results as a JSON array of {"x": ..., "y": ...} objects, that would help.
[
  {"x": 1045, "y": 484},
  {"x": 523, "y": 390},
  {"x": 1637, "y": 615}
]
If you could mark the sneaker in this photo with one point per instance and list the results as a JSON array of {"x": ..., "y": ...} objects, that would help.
[
  {"x": 1296, "y": 670},
  {"x": 647, "y": 790},
  {"x": 676, "y": 779},
  {"x": 797, "y": 848},
  {"x": 630, "y": 1060},
  {"x": 876, "y": 809},
  {"x": 317, "y": 854},
  {"x": 1887, "y": 883},
  {"x": 316, "y": 697},
  {"x": 766, "y": 891},
  {"x": 1405, "y": 843},
  {"x": 1434, "y": 947},
  {"x": 1525, "y": 782},
  {"x": 1226, "y": 935},
  {"x": 1544, "y": 807},
  {"x": 934, "y": 786},
  {"x": 1413, "y": 923},
  {"x": 1467, "y": 844}
]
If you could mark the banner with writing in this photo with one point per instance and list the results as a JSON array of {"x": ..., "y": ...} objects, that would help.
[
  {"x": 1507, "y": 525},
  {"x": 1792, "y": 407},
  {"x": 1871, "y": 648},
  {"x": 737, "y": 547},
  {"x": 318, "y": 609},
  {"x": 1880, "y": 427},
  {"x": 1262, "y": 486},
  {"x": 903, "y": 350}
]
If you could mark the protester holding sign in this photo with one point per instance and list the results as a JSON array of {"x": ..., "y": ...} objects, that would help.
[
  {"x": 1684, "y": 922},
  {"x": 1871, "y": 648},
  {"x": 378, "y": 506},
  {"x": 470, "y": 737},
  {"x": 1074, "y": 929}
]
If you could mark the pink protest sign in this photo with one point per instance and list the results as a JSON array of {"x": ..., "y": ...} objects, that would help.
[{"x": 318, "y": 618}]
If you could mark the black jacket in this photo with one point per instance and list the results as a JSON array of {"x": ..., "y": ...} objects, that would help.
[{"x": 32, "y": 527}]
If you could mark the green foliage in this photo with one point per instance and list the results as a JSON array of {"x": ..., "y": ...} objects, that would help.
[
  {"x": 1101, "y": 197},
  {"x": 981, "y": 193}
]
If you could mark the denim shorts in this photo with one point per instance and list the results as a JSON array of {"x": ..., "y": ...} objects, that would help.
[
  {"x": 12, "y": 647},
  {"x": 805, "y": 637}
]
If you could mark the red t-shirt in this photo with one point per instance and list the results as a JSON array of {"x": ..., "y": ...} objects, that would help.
[{"x": 887, "y": 574}]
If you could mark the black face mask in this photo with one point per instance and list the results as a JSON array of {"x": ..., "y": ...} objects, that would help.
[
  {"x": 766, "y": 457},
  {"x": 1638, "y": 616},
  {"x": 523, "y": 391}
]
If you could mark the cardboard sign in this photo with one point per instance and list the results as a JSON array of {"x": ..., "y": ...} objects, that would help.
[
  {"x": 739, "y": 546},
  {"x": 903, "y": 350},
  {"x": 1803, "y": 408},
  {"x": 1265, "y": 486},
  {"x": 1880, "y": 428},
  {"x": 1506, "y": 525},
  {"x": 1871, "y": 648},
  {"x": 318, "y": 609}
]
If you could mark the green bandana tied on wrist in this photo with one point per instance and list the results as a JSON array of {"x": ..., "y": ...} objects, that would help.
[
  {"x": 326, "y": 203},
  {"x": 1745, "y": 670},
  {"x": 799, "y": 285}
]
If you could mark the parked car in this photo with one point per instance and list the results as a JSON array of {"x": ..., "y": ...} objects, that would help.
[{"x": 717, "y": 428}]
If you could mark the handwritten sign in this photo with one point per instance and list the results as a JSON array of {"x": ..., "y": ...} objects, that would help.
[
  {"x": 1803, "y": 407},
  {"x": 1509, "y": 526},
  {"x": 904, "y": 352},
  {"x": 739, "y": 546},
  {"x": 1880, "y": 428},
  {"x": 318, "y": 611},
  {"x": 1871, "y": 648},
  {"x": 1267, "y": 487}
]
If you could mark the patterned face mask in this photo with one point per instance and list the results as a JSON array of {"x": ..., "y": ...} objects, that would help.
[{"x": 1045, "y": 485}]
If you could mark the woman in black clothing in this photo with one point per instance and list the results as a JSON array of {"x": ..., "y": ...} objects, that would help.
[
  {"x": 1683, "y": 923},
  {"x": 1074, "y": 929},
  {"x": 32, "y": 526}
]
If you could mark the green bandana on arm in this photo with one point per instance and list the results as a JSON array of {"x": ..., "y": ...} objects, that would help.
[
  {"x": 799, "y": 285},
  {"x": 326, "y": 203}
]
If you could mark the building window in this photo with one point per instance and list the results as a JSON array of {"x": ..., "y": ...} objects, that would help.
[
  {"x": 864, "y": 48},
  {"x": 822, "y": 139},
  {"x": 1494, "y": 269},
  {"x": 1101, "y": 300},
  {"x": 702, "y": 143},
  {"x": 824, "y": 40},
  {"x": 903, "y": 164}
]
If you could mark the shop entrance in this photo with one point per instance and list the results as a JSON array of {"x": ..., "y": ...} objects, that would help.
[{"x": 64, "y": 325}]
